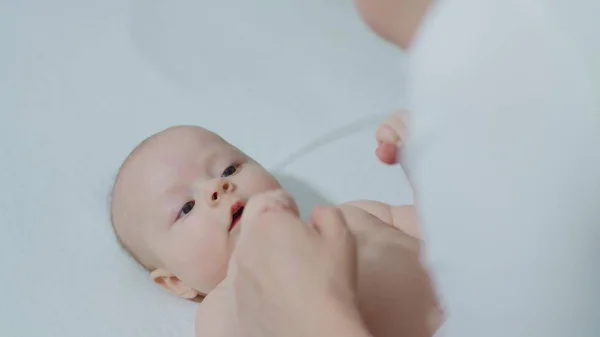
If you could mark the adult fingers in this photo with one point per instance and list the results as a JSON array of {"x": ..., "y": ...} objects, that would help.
[{"x": 329, "y": 222}]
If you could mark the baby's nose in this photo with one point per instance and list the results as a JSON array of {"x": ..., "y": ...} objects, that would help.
[{"x": 216, "y": 189}]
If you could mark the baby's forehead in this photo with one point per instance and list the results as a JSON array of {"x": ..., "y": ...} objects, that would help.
[
  {"x": 160, "y": 158},
  {"x": 176, "y": 147},
  {"x": 171, "y": 150},
  {"x": 181, "y": 137}
]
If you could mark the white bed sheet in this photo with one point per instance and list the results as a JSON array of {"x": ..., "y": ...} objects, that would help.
[{"x": 82, "y": 82}]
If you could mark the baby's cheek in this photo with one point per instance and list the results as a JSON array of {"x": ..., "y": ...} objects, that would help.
[
  {"x": 206, "y": 258},
  {"x": 233, "y": 238},
  {"x": 259, "y": 180},
  {"x": 266, "y": 184}
]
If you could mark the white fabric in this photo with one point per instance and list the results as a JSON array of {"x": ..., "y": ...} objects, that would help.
[
  {"x": 82, "y": 82},
  {"x": 505, "y": 160}
]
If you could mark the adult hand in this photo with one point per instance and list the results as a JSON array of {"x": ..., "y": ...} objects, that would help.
[{"x": 294, "y": 280}]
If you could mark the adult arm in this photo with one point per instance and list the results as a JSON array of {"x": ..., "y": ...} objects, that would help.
[
  {"x": 503, "y": 153},
  {"x": 394, "y": 20}
]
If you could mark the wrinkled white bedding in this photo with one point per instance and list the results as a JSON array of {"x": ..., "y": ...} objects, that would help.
[{"x": 82, "y": 82}]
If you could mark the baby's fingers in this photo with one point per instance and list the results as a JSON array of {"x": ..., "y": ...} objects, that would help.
[
  {"x": 391, "y": 131},
  {"x": 386, "y": 134},
  {"x": 387, "y": 153},
  {"x": 390, "y": 136}
]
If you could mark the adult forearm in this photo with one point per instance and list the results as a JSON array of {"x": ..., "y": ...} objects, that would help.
[
  {"x": 337, "y": 319},
  {"x": 504, "y": 159},
  {"x": 347, "y": 328},
  {"x": 395, "y": 20}
]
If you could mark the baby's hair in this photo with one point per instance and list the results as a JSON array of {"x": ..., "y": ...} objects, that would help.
[
  {"x": 111, "y": 200},
  {"x": 123, "y": 246}
]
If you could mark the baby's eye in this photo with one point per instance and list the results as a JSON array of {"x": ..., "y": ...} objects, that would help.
[
  {"x": 230, "y": 170},
  {"x": 186, "y": 208}
]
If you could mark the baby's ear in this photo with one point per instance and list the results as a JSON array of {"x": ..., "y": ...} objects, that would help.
[{"x": 172, "y": 284}]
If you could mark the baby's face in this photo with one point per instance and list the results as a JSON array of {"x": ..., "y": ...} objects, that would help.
[{"x": 180, "y": 199}]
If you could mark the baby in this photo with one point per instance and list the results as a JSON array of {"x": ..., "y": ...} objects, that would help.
[{"x": 178, "y": 204}]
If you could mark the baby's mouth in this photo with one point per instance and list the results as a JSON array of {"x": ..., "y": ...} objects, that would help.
[{"x": 236, "y": 214}]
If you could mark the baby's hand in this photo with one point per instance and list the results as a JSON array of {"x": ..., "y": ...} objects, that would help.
[
  {"x": 277, "y": 200},
  {"x": 390, "y": 135}
]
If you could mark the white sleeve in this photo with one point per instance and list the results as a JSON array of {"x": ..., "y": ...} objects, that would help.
[{"x": 504, "y": 155}]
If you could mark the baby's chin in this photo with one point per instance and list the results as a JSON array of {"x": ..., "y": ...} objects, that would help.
[
  {"x": 233, "y": 238},
  {"x": 215, "y": 281}
]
